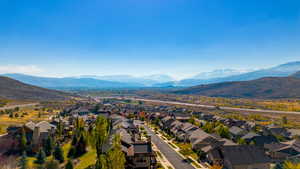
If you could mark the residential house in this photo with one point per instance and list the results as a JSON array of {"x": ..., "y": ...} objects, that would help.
[
  {"x": 233, "y": 122},
  {"x": 138, "y": 153},
  {"x": 140, "y": 156},
  {"x": 200, "y": 139},
  {"x": 240, "y": 157},
  {"x": 81, "y": 111},
  {"x": 285, "y": 150},
  {"x": 259, "y": 140},
  {"x": 236, "y": 132},
  {"x": 184, "y": 131},
  {"x": 207, "y": 117},
  {"x": 166, "y": 122},
  {"x": 294, "y": 133},
  {"x": 175, "y": 127},
  {"x": 249, "y": 125},
  {"x": 276, "y": 131}
]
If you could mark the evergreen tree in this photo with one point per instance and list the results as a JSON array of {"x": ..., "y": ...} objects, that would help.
[
  {"x": 52, "y": 164},
  {"x": 59, "y": 130},
  {"x": 74, "y": 140},
  {"x": 72, "y": 152},
  {"x": 81, "y": 146},
  {"x": 49, "y": 146},
  {"x": 40, "y": 166},
  {"x": 58, "y": 154},
  {"x": 208, "y": 127},
  {"x": 284, "y": 120},
  {"x": 100, "y": 134},
  {"x": 11, "y": 114},
  {"x": 69, "y": 165},
  {"x": 241, "y": 141},
  {"x": 102, "y": 162},
  {"x": 23, "y": 163},
  {"x": 40, "y": 158},
  {"x": 23, "y": 140},
  {"x": 116, "y": 155},
  {"x": 96, "y": 108},
  {"x": 223, "y": 131},
  {"x": 17, "y": 115}
]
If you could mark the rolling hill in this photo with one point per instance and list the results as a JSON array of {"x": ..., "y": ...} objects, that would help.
[
  {"x": 15, "y": 90},
  {"x": 263, "y": 88}
]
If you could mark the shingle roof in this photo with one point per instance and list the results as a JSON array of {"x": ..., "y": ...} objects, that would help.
[
  {"x": 165, "y": 119},
  {"x": 235, "y": 130},
  {"x": 43, "y": 125},
  {"x": 294, "y": 144},
  {"x": 142, "y": 148},
  {"x": 244, "y": 154},
  {"x": 227, "y": 142},
  {"x": 30, "y": 125},
  {"x": 175, "y": 123},
  {"x": 125, "y": 136},
  {"x": 198, "y": 135},
  {"x": 186, "y": 126},
  {"x": 250, "y": 135}
]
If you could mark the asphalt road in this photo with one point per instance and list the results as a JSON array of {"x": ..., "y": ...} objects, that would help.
[
  {"x": 176, "y": 160},
  {"x": 209, "y": 106}
]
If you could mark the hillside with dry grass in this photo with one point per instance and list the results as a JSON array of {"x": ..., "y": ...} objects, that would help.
[
  {"x": 264, "y": 88},
  {"x": 15, "y": 90}
]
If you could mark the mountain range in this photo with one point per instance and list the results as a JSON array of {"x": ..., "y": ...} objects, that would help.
[
  {"x": 263, "y": 88},
  {"x": 140, "y": 81},
  {"x": 69, "y": 82},
  {"x": 15, "y": 90},
  {"x": 127, "y": 81},
  {"x": 282, "y": 70},
  {"x": 219, "y": 73}
]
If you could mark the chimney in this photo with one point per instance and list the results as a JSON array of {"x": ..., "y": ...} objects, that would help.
[
  {"x": 52, "y": 130},
  {"x": 149, "y": 139},
  {"x": 36, "y": 135}
]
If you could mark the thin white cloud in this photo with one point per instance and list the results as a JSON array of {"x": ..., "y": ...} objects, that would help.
[{"x": 24, "y": 69}]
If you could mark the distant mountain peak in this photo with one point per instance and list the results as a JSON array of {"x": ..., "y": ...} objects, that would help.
[
  {"x": 218, "y": 73},
  {"x": 297, "y": 74},
  {"x": 161, "y": 78},
  {"x": 287, "y": 67}
]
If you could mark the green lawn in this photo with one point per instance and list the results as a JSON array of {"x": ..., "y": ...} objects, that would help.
[
  {"x": 87, "y": 159},
  {"x": 31, "y": 160},
  {"x": 66, "y": 147}
]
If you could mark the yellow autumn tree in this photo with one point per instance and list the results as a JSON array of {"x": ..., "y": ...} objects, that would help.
[
  {"x": 291, "y": 165},
  {"x": 216, "y": 166}
]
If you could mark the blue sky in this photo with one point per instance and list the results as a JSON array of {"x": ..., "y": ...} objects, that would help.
[{"x": 141, "y": 37}]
